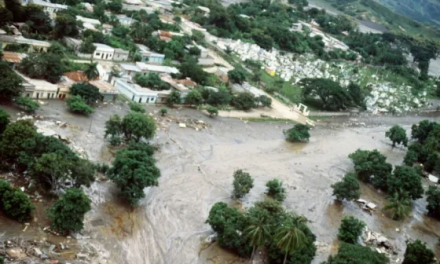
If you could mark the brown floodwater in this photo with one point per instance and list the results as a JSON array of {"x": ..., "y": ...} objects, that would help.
[{"x": 197, "y": 167}]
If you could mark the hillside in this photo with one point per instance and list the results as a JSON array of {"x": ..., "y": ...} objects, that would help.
[
  {"x": 376, "y": 12},
  {"x": 426, "y": 11}
]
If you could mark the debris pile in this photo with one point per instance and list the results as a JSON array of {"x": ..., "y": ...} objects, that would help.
[
  {"x": 19, "y": 250},
  {"x": 164, "y": 122},
  {"x": 381, "y": 244}
]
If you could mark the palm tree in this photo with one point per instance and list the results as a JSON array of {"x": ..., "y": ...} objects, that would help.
[
  {"x": 91, "y": 71},
  {"x": 258, "y": 232},
  {"x": 289, "y": 235},
  {"x": 400, "y": 204}
]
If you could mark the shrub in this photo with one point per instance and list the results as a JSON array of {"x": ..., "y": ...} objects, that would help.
[
  {"x": 67, "y": 213},
  {"x": 163, "y": 111},
  {"x": 244, "y": 101},
  {"x": 417, "y": 252},
  {"x": 136, "y": 107},
  {"x": 354, "y": 254},
  {"x": 264, "y": 100},
  {"x": 243, "y": 183},
  {"x": 17, "y": 205},
  {"x": 237, "y": 76},
  {"x": 276, "y": 190},
  {"x": 212, "y": 111},
  {"x": 174, "y": 98},
  {"x": 350, "y": 229},
  {"x": 397, "y": 135},
  {"x": 4, "y": 120},
  {"x": 137, "y": 125},
  {"x": 347, "y": 189},
  {"x": 78, "y": 105},
  {"x": 299, "y": 133},
  {"x": 27, "y": 104},
  {"x": 433, "y": 199}
]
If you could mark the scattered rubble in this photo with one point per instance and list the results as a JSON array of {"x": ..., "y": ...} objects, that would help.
[
  {"x": 164, "y": 122},
  {"x": 381, "y": 244}
]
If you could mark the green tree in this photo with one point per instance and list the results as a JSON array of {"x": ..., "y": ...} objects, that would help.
[
  {"x": 15, "y": 8},
  {"x": 400, "y": 204},
  {"x": 220, "y": 97},
  {"x": 237, "y": 76},
  {"x": 11, "y": 84},
  {"x": 357, "y": 254},
  {"x": 5, "y": 16},
  {"x": 264, "y": 100},
  {"x": 152, "y": 80},
  {"x": 190, "y": 69},
  {"x": 417, "y": 252},
  {"x": 406, "y": 179},
  {"x": 49, "y": 170},
  {"x": 86, "y": 91},
  {"x": 27, "y": 104},
  {"x": 37, "y": 19},
  {"x": 174, "y": 97},
  {"x": 290, "y": 237},
  {"x": 47, "y": 66},
  {"x": 136, "y": 107},
  {"x": 422, "y": 130},
  {"x": 17, "y": 204},
  {"x": 67, "y": 213},
  {"x": 91, "y": 71},
  {"x": 87, "y": 46},
  {"x": 66, "y": 26},
  {"x": 13, "y": 137},
  {"x": 368, "y": 163},
  {"x": 78, "y": 105},
  {"x": 4, "y": 120},
  {"x": 163, "y": 111},
  {"x": 350, "y": 229},
  {"x": 298, "y": 133},
  {"x": 244, "y": 101},
  {"x": 212, "y": 111},
  {"x": 194, "y": 98},
  {"x": 113, "y": 126},
  {"x": 258, "y": 232},
  {"x": 132, "y": 171},
  {"x": 276, "y": 190},
  {"x": 347, "y": 189},
  {"x": 115, "y": 6},
  {"x": 433, "y": 199},
  {"x": 243, "y": 183},
  {"x": 137, "y": 125},
  {"x": 332, "y": 95},
  {"x": 397, "y": 135},
  {"x": 411, "y": 157}
]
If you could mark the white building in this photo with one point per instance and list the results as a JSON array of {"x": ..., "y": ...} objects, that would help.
[
  {"x": 49, "y": 7},
  {"x": 39, "y": 89},
  {"x": 149, "y": 56},
  {"x": 188, "y": 26},
  {"x": 159, "y": 69},
  {"x": 129, "y": 70},
  {"x": 139, "y": 94},
  {"x": 121, "y": 55},
  {"x": 91, "y": 21},
  {"x": 103, "y": 52},
  {"x": 125, "y": 20}
]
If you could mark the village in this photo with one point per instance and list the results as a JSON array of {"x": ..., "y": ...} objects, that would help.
[{"x": 144, "y": 131}]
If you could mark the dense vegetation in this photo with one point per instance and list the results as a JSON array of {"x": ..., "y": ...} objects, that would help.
[
  {"x": 298, "y": 133},
  {"x": 285, "y": 235},
  {"x": 350, "y": 229}
]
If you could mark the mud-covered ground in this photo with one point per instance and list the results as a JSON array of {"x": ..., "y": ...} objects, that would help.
[{"x": 197, "y": 167}]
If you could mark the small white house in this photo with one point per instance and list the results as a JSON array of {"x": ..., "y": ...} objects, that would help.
[
  {"x": 121, "y": 55},
  {"x": 125, "y": 20},
  {"x": 49, "y": 7},
  {"x": 159, "y": 69},
  {"x": 139, "y": 94},
  {"x": 149, "y": 56},
  {"x": 103, "y": 52}
]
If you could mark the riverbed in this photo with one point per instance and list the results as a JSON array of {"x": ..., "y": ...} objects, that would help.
[{"x": 197, "y": 167}]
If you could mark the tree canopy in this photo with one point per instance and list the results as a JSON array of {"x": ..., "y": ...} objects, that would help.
[
  {"x": 11, "y": 84},
  {"x": 416, "y": 252},
  {"x": 298, "y": 133},
  {"x": 137, "y": 125},
  {"x": 356, "y": 254},
  {"x": 78, "y": 105},
  {"x": 86, "y": 91},
  {"x": 243, "y": 183},
  {"x": 347, "y": 189},
  {"x": 47, "y": 66},
  {"x": 350, "y": 229},
  {"x": 397, "y": 135},
  {"x": 332, "y": 96}
]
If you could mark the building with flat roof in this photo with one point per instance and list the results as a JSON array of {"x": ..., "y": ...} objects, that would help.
[
  {"x": 149, "y": 56},
  {"x": 159, "y": 69},
  {"x": 34, "y": 45},
  {"x": 49, "y": 7},
  {"x": 136, "y": 93},
  {"x": 41, "y": 89}
]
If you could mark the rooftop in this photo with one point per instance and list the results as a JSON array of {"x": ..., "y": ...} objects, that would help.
[
  {"x": 103, "y": 47},
  {"x": 13, "y": 57},
  {"x": 103, "y": 86},
  {"x": 39, "y": 84},
  {"x": 129, "y": 67},
  {"x": 157, "y": 68},
  {"x": 121, "y": 51},
  {"x": 204, "y": 9},
  {"x": 76, "y": 76},
  {"x": 88, "y": 20},
  {"x": 44, "y": 3}
]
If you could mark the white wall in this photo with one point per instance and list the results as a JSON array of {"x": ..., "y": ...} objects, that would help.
[{"x": 131, "y": 94}]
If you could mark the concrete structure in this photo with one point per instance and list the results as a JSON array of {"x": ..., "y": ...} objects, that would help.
[
  {"x": 205, "y": 59},
  {"x": 121, "y": 55},
  {"x": 75, "y": 44},
  {"x": 159, "y": 69},
  {"x": 34, "y": 45},
  {"x": 149, "y": 56},
  {"x": 125, "y": 20},
  {"x": 176, "y": 86},
  {"x": 132, "y": 7},
  {"x": 168, "y": 35},
  {"x": 139, "y": 94},
  {"x": 91, "y": 21},
  {"x": 39, "y": 89},
  {"x": 188, "y": 26},
  {"x": 49, "y": 7},
  {"x": 108, "y": 91},
  {"x": 13, "y": 57},
  {"x": 103, "y": 52},
  {"x": 129, "y": 70}
]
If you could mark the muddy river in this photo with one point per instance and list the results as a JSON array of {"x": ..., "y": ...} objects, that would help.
[{"x": 197, "y": 167}]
